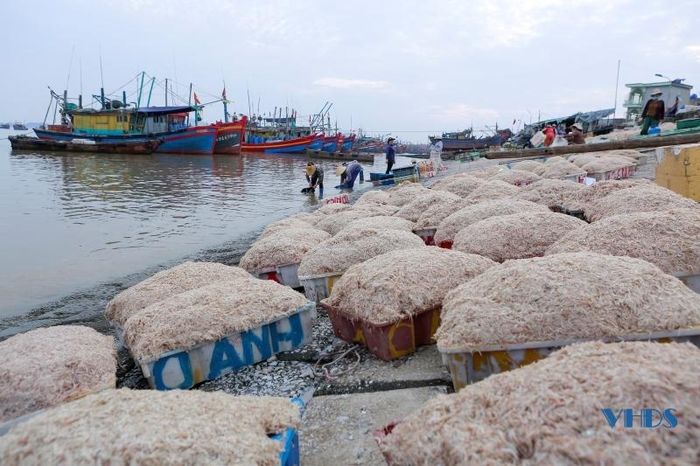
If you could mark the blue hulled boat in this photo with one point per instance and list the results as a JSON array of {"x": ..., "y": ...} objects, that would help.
[{"x": 119, "y": 124}]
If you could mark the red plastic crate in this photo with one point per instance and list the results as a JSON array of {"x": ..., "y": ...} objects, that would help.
[
  {"x": 445, "y": 244},
  {"x": 387, "y": 341}
]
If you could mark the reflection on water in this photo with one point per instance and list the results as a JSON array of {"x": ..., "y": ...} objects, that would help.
[{"x": 69, "y": 221}]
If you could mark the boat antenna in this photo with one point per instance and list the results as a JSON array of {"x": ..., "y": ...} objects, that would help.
[
  {"x": 248, "y": 92},
  {"x": 81, "y": 76},
  {"x": 102, "y": 80},
  {"x": 70, "y": 65},
  {"x": 617, "y": 85},
  {"x": 224, "y": 99}
]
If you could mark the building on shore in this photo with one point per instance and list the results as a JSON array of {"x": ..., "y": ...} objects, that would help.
[{"x": 640, "y": 93}]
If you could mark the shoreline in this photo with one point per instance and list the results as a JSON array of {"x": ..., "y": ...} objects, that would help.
[{"x": 86, "y": 306}]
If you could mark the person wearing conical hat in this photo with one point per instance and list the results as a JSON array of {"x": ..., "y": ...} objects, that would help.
[
  {"x": 575, "y": 136},
  {"x": 653, "y": 112},
  {"x": 314, "y": 176}
]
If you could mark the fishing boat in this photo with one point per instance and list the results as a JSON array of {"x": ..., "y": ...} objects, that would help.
[
  {"x": 83, "y": 145},
  {"x": 348, "y": 142},
  {"x": 465, "y": 140},
  {"x": 294, "y": 145},
  {"x": 19, "y": 127},
  {"x": 333, "y": 143},
  {"x": 4, "y": 126},
  {"x": 119, "y": 124},
  {"x": 229, "y": 136}
]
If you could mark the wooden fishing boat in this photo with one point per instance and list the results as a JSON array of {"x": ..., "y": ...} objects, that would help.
[
  {"x": 332, "y": 143},
  {"x": 229, "y": 136},
  {"x": 348, "y": 142},
  {"x": 122, "y": 125},
  {"x": 295, "y": 145},
  {"x": 83, "y": 145}
]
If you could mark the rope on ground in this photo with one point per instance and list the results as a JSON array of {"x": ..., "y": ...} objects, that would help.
[{"x": 326, "y": 371}]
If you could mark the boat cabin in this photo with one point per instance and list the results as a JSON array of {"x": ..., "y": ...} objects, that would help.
[{"x": 146, "y": 120}]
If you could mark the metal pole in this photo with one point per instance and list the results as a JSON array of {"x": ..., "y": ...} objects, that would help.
[
  {"x": 189, "y": 100},
  {"x": 47, "y": 112},
  {"x": 150, "y": 91},
  {"x": 617, "y": 85},
  {"x": 166, "y": 92},
  {"x": 138, "y": 100}
]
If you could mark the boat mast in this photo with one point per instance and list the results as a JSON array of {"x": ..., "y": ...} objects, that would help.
[
  {"x": 153, "y": 81},
  {"x": 166, "y": 92},
  {"x": 138, "y": 100},
  {"x": 223, "y": 96},
  {"x": 195, "y": 108}
]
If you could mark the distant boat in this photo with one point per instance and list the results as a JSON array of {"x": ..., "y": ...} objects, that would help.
[
  {"x": 4, "y": 126},
  {"x": 82, "y": 145},
  {"x": 19, "y": 127},
  {"x": 295, "y": 145},
  {"x": 332, "y": 143},
  {"x": 348, "y": 142},
  {"x": 465, "y": 140}
]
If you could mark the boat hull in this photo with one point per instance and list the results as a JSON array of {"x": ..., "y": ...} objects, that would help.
[
  {"x": 291, "y": 146},
  {"x": 134, "y": 147},
  {"x": 229, "y": 137},
  {"x": 197, "y": 141}
]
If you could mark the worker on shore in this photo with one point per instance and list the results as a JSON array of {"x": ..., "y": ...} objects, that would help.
[
  {"x": 549, "y": 134},
  {"x": 314, "y": 176},
  {"x": 390, "y": 154},
  {"x": 436, "y": 154},
  {"x": 671, "y": 112},
  {"x": 575, "y": 136},
  {"x": 348, "y": 173},
  {"x": 653, "y": 112}
]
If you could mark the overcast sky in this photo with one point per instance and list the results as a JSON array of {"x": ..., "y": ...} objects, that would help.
[{"x": 402, "y": 67}]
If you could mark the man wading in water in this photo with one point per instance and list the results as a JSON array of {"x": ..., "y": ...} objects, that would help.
[{"x": 314, "y": 175}]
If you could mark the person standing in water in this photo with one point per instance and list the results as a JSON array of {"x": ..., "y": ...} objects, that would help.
[
  {"x": 390, "y": 154},
  {"x": 314, "y": 176},
  {"x": 348, "y": 172}
]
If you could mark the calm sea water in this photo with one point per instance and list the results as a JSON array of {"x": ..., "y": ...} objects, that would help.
[{"x": 71, "y": 221}]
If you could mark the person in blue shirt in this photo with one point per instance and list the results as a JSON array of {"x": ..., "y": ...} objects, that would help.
[
  {"x": 349, "y": 174},
  {"x": 390, "y": 154}
]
